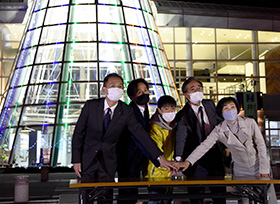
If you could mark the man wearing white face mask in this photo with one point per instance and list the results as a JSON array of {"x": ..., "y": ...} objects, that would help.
[
  {"x": 195, "y": 122},
  {"x": 162, "y": 131},
  {"x": 97, "y": 133}
]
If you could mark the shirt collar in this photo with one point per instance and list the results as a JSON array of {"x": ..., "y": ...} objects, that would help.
[
  {"x": 196, "y": 108},
  {"x": 107, "y": 106},
  {"x": 141, "y": 108}
]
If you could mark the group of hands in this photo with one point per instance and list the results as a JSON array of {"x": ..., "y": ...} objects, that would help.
[
  {"x": 174, "y": 166},
  {"x": 178, "y": 167}
]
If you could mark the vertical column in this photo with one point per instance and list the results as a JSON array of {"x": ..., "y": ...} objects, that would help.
[
  {"x": 255, "y": 55},
  {"x": 189, "y": 68}
]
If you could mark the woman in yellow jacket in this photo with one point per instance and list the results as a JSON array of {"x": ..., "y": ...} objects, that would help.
[{"x": 162, "y": 132}]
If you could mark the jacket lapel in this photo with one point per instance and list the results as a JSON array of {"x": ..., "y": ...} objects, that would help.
[
  {"x": 100, "y": 114},
  {"x": 211, "y": 116}
]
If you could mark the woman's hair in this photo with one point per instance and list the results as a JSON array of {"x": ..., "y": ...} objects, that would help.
[{"x": 223, "y": 102}]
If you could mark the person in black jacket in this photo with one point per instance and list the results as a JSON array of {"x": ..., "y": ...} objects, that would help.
[
  {"x": 195, "y": 121},
  {"x": 132, "y": 157}
]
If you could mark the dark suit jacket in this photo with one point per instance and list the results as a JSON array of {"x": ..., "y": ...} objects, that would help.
[
  {"x": 132, "y": 155},
  {"x": 188, "y": 137},
  {"x": 88, "y": 138}
]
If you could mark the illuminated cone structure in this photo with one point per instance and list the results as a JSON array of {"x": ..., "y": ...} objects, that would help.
[{"x": 66, "y": 51}]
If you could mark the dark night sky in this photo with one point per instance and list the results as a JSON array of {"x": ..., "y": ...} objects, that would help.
[{"x": 254, "y": 3}]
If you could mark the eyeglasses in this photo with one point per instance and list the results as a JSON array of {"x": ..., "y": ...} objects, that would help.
[{"x": 195, "y": 89}]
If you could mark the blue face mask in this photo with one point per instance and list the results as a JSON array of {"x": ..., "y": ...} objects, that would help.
[{"x": 230, "y": 115}]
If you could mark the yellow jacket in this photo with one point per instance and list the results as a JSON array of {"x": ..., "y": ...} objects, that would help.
[{"x": 164, "y": 139}]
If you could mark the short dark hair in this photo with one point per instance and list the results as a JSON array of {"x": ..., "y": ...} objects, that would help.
[
  {"x": 189, "y": 80},
  {"x": 163, "y": 100},
  {"x": 132, "y": 86},
  {"x": 223, "y": 102},
  {"x": 109, "y": 76}
]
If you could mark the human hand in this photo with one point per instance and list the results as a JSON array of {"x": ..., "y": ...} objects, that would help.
[
  {"x": 78, "y": 169},
  {"x": 169, "y": 165},
  {"x": 183, "y": 166},
  {"x": 264, "y": 175}
]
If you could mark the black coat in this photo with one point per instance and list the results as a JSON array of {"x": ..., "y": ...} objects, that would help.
[
  {"x": 189, "y": 136},
  {"x": 88, "y": 138},
  {"x": 131, "y": 154}
]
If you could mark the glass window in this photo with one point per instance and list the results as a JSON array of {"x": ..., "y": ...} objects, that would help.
[
  {"x": 207, "y": 68},
  {"x": 49, "y": 53},
  {"x": 160, "y": 58},
  {"x": 22, "y": 76},
  {"x": 142, "y": 54},
  {"x": 203, "y": 51},
  {"x": 123, "y": 69},
  {"x": 167, "y": 34},
  {"x": 112, "y": 33},
  {"x": 36, "y": 115},
  {"x": 231, "y": 35},
  {"x": 56, "y": 15},
  {"x": 53, "y": 34},
  {"x": 85, "y": 1},
  {"x": 9, "y": 118},
  {"x": 46, "y": 73},
  {"x": 113, "y": 14},
  {"x": 150, "y": 21},
  {"x": 26, "y": 57},
  {"x": 180, "y": 35},
  {"x": 113, "y": 52},
  {"x": 58, "y": 2},
  {"x": 234, "y": 51},
  {"x": 80, "y": 51},
  {"x": 32, "y": 38},
  {"x": 138, "y": 35},
  {"x": 149, "y": 73},
  {"x": 269, "y": 37},
  {"x": 134, "y": 17},
  {"x": 130, "y": 3},
  {"x": 81, "y": 71},
  {"x": 78, "y": 92},
  {"x": 264, "y": 50},
  {"x": 145, "y": 6},
  {"x": 40, "y": 5},
  {"x": 203, "y": 35},
  {"x": 83, "y": 13},
  {"x": 82, "y": 32},
  {"x": 180, "y": 51},
  {"x": 37, "y": 19},
  {"x": 169, "y": 50},
  {"x": 40, "y": 94},
  {"x": 156, "y": 92},
  {"x": 155, "y": 38}
]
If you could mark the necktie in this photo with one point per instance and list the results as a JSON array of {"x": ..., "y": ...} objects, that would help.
[
  {"x": 107, "y": 119},
  {"x": 202, "y": 123}
]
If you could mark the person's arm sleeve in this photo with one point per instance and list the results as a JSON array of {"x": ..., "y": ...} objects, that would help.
[
  {"x": 143, "y": 137},
  {"x": 207, "y": 144},
  {"x": 78, "y": 136},
  {"x": 261, "y": 148},
  {"x": 181, "y": 137}
]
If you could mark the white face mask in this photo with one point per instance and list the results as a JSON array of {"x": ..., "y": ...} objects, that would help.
[
  {"x": 169, "y": 117},
  {"x": 114, "y": 94},
  {"x": 196, "y": 97}
]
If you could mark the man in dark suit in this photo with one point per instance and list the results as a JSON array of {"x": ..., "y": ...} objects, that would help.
[
  {"x": 132, "y": 157},
  {"x": 195, "y": 121},
  {"x": 97, "y": 132}
]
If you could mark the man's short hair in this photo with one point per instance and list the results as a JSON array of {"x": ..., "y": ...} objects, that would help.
[
  {"x": 164, "y": 100},
  {"x": 133, "y": 85},
  {"x": 223, "y": 102},
  {"x": 109, "y": 76},
  {"x": 189, "y": 80}
]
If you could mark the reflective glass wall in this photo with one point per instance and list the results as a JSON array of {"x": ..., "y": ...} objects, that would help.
[
  {"x": 67, "y": 49},
  {"x": 228, "y": 61}
]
